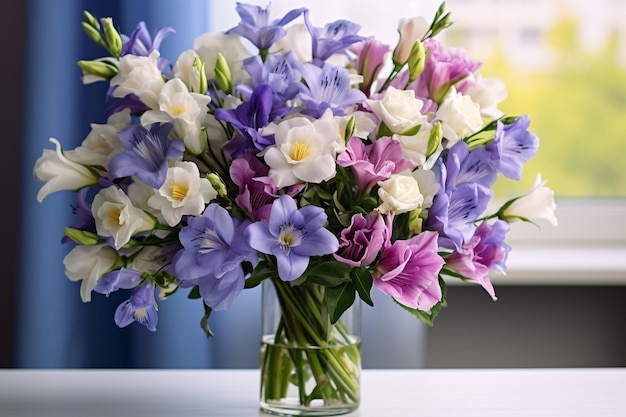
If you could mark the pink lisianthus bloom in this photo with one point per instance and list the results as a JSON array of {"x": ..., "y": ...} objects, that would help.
[
  {"x": 409, "y": 271},
  {"x": 375, "y": 162},
  {"x": 485, "y": 251},
  {"x": 444, "y": 68},
  {"x": 371, "y": 56},
  {"x": 360, "y": 242}
]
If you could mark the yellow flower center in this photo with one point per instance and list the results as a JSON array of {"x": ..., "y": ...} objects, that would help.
[
  {"x": 114, "y": 216},
  {"x": 176, "y": 110},
  {"x": 299, "y": 151},
  {"x": 179, "y": 192}
]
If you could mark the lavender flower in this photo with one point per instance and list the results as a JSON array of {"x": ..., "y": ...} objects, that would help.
[
  {"x": 512, "y": 146},
  {"x": 257, "y": 191},
  {"x": 122, "y": 278},
  {"x": 371, "y": 54},
  {"x": 292, "y": 235},
  {"x": 141, "y": 43},
  {"x": 332, "y": 38},
  {"x": 360, "y": 243},
  {"x": 140, "y": 307},
  {"x": 146, "y": 154},
  {"x": 279, "y": 72},
  {"x": 463, "y": 166}
]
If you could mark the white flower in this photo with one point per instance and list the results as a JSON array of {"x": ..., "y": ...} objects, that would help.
[
  {"x": 298, "y": 40},
  {"x": 187, "y": 110},
  {"x": 88, "y": 264},
  {"x": 400, "y": 193},
  {"x": 304, "y": 151},
  {"x": 183, "y": 193},
  {"x": 415, "y": 147},
  {"x": 410, "y": 30},
  {"x": 141, "y": 76},
  {"x": 459, "y": 115},
  {"x": 537, "y": 204},
  {"x": 102, "y": 142},
  {"x": 428, "y": 185},
  {"x": 488, "y": 93},
  {"x": 208, "y": 45},
  {"x": 116, "y": 216},
  {"x": 186, "y": 72},
  {"x": 399, "y": 110},
  {"x": 60, "y": 173}
]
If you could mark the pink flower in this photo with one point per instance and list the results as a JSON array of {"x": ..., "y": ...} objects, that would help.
[
  {"x": 360, "y": 243},
  {"x": 373, "y": 163},
  {"x": 486, "y": 250},
  {"x": 371, "y": 55},
  {"x": 409, "y": 271}
]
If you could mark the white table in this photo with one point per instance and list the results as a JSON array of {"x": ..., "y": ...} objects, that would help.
[{"x": 386, "y": 393}]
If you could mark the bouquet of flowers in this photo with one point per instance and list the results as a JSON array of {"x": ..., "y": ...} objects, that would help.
[{"x": 296, "y": 154}]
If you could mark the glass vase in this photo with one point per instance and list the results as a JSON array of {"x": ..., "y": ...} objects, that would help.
[{"x": 309, "y": 367}]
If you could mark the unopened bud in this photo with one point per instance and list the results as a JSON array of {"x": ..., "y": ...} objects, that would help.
[
  {"x": 99, "y": 69},
  {"x": 434, "y": 140},
  {"x": 350, "y": 128},
  {"x": 222, "y": 74},
  {"x": 217, "y": 184},
  {"x": 81, "y": 237},
  {"x": 113, "y": 38},
  {"x": 92, "y": 33},
  {"x": 199, "y": 66},
  {"x": 417, "y": 60}
]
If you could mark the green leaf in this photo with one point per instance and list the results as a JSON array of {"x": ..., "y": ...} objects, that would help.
[
  {"x": 362, "y": 281},
  {"x": 338, "y": 299},
  {"x": 204, "y": 323},
  {"x": 194, "y": 294},
  {"x": 261, "y": 272},
  {"x": 81, "y": 237},
  {"x": 329, "y": 274}
]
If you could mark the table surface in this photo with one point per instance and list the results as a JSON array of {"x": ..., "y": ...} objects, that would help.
[{"x": 588, "y": 392}]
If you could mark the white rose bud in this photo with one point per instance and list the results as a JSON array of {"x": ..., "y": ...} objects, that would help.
[
  {"x": 459, "y": 115},
  {"x": 399, "y": 110},
  {"x": 400, "y": 194}
]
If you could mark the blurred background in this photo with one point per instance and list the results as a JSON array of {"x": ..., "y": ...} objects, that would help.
[{"x": 562, "y": 303}]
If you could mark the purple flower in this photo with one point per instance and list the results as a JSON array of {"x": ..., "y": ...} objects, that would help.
[
  {"x": 146, "y": 154},
  {"x": 371, "y": 55},
  {"x": 255, "y": 25},
  {"x": 212, "y": 255},
  {"x": 140, "y": 307},
  {"x": 292, "y": 235},
  {"x": 360, "y": 242},
  {"x": 257, "y": 191},
  {"x": 463, "y": 166},
  {"x": 332, "y": 38},
  {"x": 279, "y": 72},
  {"x": 486, "y": 250},
  {"x": 82, "y": 209},
  {"x": 409, "y": 271},
  {"x": 141, "y": 43},
  {"x": 122, "y": 278},
  {"x": 327, "y": 87},
  {"x": 375, "y": 162},
  {"x": 512, "y": 146},
  {"x": 249, "y": 118}
]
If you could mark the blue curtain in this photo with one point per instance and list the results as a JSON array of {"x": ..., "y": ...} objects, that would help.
[{"x": 55, "y": 329}]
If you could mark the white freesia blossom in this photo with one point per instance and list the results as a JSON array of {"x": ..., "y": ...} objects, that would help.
[
  {"x": 459, "y": 115},
  {"x": 399, "y": 110},
  {"x": 102, "y": 142},
  {"x": 208, "y": 45},
  {"x": 364, "y": 124},
  {"x": 537, "y": 204},
  {"x": 187, "y": 110},
  {"x": 410, "y": 30},
  {"x": 60, "y": 173},
  {"x": 88, "y": 264},
  {"x": 488, "y": 93},
  {"x": 184, "y": 192},
  {"x": 399, "y": 194},
  {"x": 186, "y": 72},
  {"x": 115, "y": 216},
  {"x": 141, "y": 76},
  {"x": 305, "y": 151}
]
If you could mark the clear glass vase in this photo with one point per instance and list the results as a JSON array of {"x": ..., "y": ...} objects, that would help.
[{"x": 309, "y": 367}]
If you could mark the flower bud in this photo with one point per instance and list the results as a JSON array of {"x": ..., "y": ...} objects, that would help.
[
  {"x": 350, "y": 128},
  {"x": 410, "y": 30},
  {"x": 434, "y": 140},
  {"x": 113, "y": 38},
  {"x": 416, "y": 62},
  {"x": 222, "y": 74},
  {"x": 92, "y": 32},
  {"x": 99, "y": 69},
  {"x": 217, "y": 184},
  {"x": 199, "y": 65},
  {"x": 81, "y": 237}
]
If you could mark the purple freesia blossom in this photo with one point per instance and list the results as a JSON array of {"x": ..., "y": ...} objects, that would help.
[
  {"x": 360, "y": 243},
  {"x": 327, "y": 87},
  {"x": 332, "y": 38},
  {"x": 85, "y": 220},
  {"x": 371, "y": 55},
  {"x": 212, "y": 255},
  {"x": 463, "y": 166},
  {"x": 292, "y": 235},
  {"x": 255, "y": 25},
  {"x": 486, "y": 250},
  {"x": 409, "y": 271},
  {"x": 122, "y": 278},
  {"x": 512, "y": 146},
  {"x": 249, "y": 118},
  {"x": 257, "y": 191},
  {"x": 146, "y": 154},
  {"x": 140, "y": 307},
  {"x": 279, "y": 72},
  {"x": 444, "y": 67},
  {"x": 375, "y": 162},
  {"x": 141, "y": 43}
]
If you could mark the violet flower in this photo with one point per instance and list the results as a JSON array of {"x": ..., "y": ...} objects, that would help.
[
  {"x": 409, "y": 271},
  {"x": 122, "y": 278},
  {"x": 82, "y": 210},
  {"x": 255, "y": 25},
  {"x": 375, "y": 162},
  {"x": 212, "y": 254},
  {"x": 332, "y": 38},
  {"x": 485, "y": 251},
  {"x": 141, "y": 43},
  {"x": 512, "y": 146},
  {"x": 140, "y": 307},
  {"x": 146, "y": 154},
  {"x": 371, "y": 56},
  {"x": 257, "y": 191},
  {"x": 292, "y": 235},
  {"x": 360, "y": 243},
  {"x": 463, "y": 166},
  {"x": 327, "y": 87}
]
